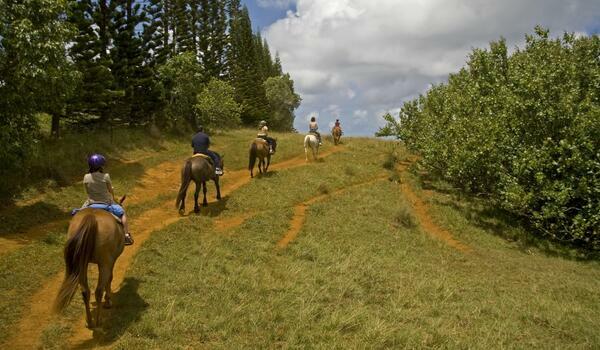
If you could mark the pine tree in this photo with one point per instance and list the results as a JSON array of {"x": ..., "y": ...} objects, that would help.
[
  {"x": 244, "y": 70},
  {"x": 131, "y": 75},
  {"x": 94, "y": 21}
]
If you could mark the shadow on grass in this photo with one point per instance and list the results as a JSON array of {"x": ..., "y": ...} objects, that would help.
[
  {"x": 127, "y": 309},
  {"x": 20, "y": 219},
  {"x": 483, "y": 214},
  {"x": 214, "y": 208}
]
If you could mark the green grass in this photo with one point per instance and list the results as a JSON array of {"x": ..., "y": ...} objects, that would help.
[
  {"x": 23, "y": 271},
  {"x": 360, "y": 274}
]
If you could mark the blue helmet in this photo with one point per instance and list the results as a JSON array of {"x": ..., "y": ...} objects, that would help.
[{"x": 96, "y": 161}]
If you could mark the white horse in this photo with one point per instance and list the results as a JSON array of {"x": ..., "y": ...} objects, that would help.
[{"x": 311, "y": 141}]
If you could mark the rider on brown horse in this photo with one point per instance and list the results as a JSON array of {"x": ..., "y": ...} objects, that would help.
[
  {"x": 98, "y": 187},
  {"x": 263, "y": 133},
  {"x": 201, "y": 143}
]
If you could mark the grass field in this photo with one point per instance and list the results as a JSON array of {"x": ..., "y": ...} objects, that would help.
[{"x": 354, "y": 251}]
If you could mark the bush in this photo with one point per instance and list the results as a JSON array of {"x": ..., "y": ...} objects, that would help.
[{"x": 523, "y": 129}]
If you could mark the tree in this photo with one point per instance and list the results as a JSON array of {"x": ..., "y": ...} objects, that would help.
[
  {"x": 216, "y": 105},
  {"x": 90, "y": 52},
  {"x": 282, "y": 100},
  {"x": 244, "y": 69},
  {"x": 35, "y": 76},
  {"x": 182, "y": 77}
]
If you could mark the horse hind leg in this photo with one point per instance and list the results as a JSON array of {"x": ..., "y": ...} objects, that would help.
[
  {"x": 204, "y": 201},
  {"x": 86, "y": 294},
  {"x": 104, "y": 276},
  {"x": 218, "y": 188},
  {"x": 196, "y": 195},
  {"x": 108, "y": 288}
]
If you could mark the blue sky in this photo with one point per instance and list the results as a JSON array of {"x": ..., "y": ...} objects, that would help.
[{"x": 358, "y": 59}]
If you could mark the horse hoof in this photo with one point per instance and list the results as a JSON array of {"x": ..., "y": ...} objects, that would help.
[
  {"x": 196, "y": 210},
  {"x": 181, "y": 211},
  {"x": 205, "y": 204},
  {"x": 107, "y": 305}
]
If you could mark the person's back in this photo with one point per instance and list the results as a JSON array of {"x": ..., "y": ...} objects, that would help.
[
  {"x": 314, "y": 128},
  {"x": 96, "y": 186},
  {"x": 201, "y": 145},
  {"x": 200, "y": 142}
]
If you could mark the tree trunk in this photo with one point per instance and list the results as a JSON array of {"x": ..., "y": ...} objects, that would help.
[{"x": 55, "y": 128}]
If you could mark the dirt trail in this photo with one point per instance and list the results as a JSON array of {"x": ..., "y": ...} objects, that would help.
[
  {"x": 158, "y": 180},
  {"x": 299, "y": 217},
  {"x": 422, "y": 212},
  {"x": 39, "y": 314}
]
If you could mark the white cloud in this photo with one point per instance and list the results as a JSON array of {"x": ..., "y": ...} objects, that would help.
[
  {"x": 372, "y": 55},
  {"x": 284, "y": 4}
]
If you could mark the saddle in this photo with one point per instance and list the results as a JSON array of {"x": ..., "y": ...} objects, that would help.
[
  {"x": 201, "y": 155},
  {"x": 260, "y": 140},
  {"x": 102, "y": 206}
]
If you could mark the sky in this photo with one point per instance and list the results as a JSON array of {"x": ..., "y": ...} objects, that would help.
[{"x": 358, "y": 59}]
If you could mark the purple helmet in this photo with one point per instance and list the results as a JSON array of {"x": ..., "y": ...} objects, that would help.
[{"x": 96, "y": 161}]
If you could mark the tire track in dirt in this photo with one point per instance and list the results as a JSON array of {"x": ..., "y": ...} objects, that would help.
[
  {"x": 421, "y": 210},
  {"x": 39, "y": 315},
  {"x": 299, "y": 217}
]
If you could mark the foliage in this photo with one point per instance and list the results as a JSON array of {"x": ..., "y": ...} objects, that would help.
[
  {"x": 282, "y": 100},
  {"x": 182, "y": 78},
  {"x": 217, "y": 107},
  {"x": 34, "y": 76},
  {"x": 523, "y": 129}
]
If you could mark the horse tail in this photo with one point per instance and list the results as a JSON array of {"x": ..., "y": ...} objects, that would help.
[
  {"x": 253, "y": 152},
  {"x": 186, "y": 178},
  {"x": 78, "y": 253}
]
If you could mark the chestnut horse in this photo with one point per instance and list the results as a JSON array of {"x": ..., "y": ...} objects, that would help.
[
  {"x": 260, "y": 149},
  {"x": 336, "y": 132},
  {"x": 96, "y": 237}
]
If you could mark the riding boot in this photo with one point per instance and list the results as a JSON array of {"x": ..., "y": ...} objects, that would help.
[{"x": 128, "y": 239}]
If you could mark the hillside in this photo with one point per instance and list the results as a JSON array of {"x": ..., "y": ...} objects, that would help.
[{"x": 357, "y": 250}]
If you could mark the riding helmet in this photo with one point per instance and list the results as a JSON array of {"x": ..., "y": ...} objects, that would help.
[
  {"x": 263, "y": 122},
  {"x": 96, "y": 161}
]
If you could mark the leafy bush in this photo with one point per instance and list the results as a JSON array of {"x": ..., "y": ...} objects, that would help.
[
  {"x": 217, "y": 107},
  {"x": 522, "y": 128}
]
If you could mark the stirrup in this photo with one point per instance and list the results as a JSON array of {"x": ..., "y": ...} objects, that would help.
[{"x": 128, "y": 239}]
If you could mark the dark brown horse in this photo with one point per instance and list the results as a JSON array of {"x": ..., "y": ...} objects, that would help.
[
  {"x": 94, "y": 236},
  {"x": 200, "y": 169},
  {"x": 336, "y": 132},
  {"x": 260, "y": 149}
]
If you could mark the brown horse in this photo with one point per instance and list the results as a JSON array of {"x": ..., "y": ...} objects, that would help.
[
  {"x": 260, "y": 149},
  {"x": 200, "y": 169},
  {"x": 336, "y": 132},
  {"x": 94, "y": 236}
]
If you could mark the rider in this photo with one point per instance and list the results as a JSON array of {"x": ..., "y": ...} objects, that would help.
[
  {"x": 313, "y": 127},
  {"x": 263, "y": 133},
  {"x": 100, "y": 191},
  {"x": 337, "y": 123},
  {"x": 201, "y": 143}
]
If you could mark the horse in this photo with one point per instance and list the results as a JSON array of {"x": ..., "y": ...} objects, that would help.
[
  {"x": 260, "y": 149},
  {"x": 94, "y": 236},
  {"x": 311, "y": 141},
  {"x": 201, "y": 170},
  {"x": 336, "y": 132}
]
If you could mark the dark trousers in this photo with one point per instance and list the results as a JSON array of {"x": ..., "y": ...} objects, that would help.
[
  {"x": 216, "y": 158},
  {"x": 270, "y": 141}
]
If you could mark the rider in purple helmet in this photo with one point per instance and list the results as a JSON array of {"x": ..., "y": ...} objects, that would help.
[{"x": 100, "y": 192}]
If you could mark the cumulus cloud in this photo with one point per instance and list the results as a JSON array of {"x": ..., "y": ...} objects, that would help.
[
  {"x": 284, "y": 4},
  {"x": 370, "y": 56}
]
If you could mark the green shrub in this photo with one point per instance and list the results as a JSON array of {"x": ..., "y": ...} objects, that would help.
[{"x": 523, "y": 129}]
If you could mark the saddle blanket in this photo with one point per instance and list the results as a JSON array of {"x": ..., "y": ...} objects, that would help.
[{"x": 115, "y": 209}]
